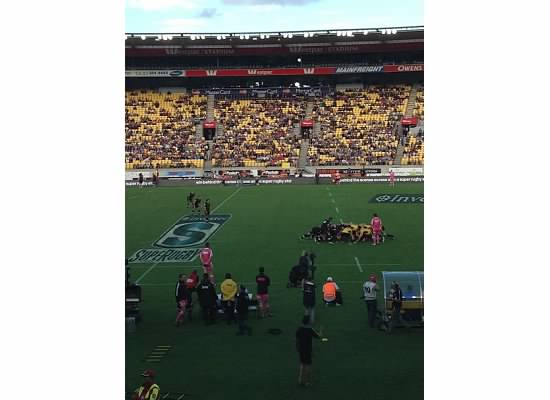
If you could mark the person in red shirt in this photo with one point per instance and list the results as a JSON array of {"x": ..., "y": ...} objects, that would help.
[{"x": 206, "y": 260}]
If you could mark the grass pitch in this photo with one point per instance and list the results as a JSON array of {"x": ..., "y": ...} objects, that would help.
[{"x": 212, "y": 362}]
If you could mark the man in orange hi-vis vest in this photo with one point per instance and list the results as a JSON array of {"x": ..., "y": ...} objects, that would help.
[{"x": 331, "y": 292}]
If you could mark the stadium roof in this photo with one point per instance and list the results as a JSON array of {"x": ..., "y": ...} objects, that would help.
[{"x": 332, "y": 36}]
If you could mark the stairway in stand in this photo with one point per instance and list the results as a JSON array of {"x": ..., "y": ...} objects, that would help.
[
  {"x": 210, "y": 108},
  {"x": 411, "y": 103},
  {"x": 302, "y": 160}
]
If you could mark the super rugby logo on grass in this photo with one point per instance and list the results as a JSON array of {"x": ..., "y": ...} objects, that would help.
[
  {"x": 191, "y": 231},
  {"x": 182, "y": 242}
]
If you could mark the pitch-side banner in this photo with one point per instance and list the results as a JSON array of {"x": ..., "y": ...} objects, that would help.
[
  {"x": 404, "y": 68},
  {"x": 201, "y": 73},
  {"x": 150, "y": 73}
]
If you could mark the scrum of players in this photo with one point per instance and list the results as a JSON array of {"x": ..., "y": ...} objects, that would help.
[
  {"x": 194, "y": 202},
  {"x": 374, "y": 232}
]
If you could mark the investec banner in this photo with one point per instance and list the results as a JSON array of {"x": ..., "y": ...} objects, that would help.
[
  {"x": 398, "y": 198},
  {"x": 150, "y": 73},
  {"x": 360, "y": 69}
]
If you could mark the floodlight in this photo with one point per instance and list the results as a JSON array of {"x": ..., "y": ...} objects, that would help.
[
  {"x": 394, "y": 31},
  {"x": 290, "y": 35},
  {"x": 143, "y": 37},
  {"x": 247, "y": 36}
]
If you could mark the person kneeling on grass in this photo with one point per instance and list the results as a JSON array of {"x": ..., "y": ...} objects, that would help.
[{"x": 331, "y": 293}]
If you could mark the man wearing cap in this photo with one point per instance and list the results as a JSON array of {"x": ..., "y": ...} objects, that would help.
[
  {"x": 149, "y": 390},
  {"x": 369, "y": 294}
]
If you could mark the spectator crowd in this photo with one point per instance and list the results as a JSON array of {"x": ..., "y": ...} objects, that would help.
[{"x": 161, "y": 130}]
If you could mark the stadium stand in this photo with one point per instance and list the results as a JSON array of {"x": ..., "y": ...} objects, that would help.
[
  {"x": 160, "y": 130},
  {"x": 357, "y": 126},
  {"x": 419, "y": 106},
  {"x": 413, "y": 153},
  {"x": 257, "y": 133}
]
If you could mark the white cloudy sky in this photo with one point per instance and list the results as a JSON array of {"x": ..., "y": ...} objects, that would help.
[{"x": 268, "y": 15}]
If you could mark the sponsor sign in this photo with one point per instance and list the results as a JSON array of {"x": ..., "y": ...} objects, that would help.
[
  {"x": 404, "y": 68},
  {"x": 409, "y": 121},
  {"x": 360, "y": 69},
  {"x": 199, "y": 73},
  {"x": 307, "y": 123},
  {"x": 149, "y": 73},
  {"x": 398, "y": 198},
  {"x": 134, "y": 183},
  {"x": 408, "y": 171},
  {"x": 211, "y": 124},
  {"x": 178, "y": 174},
  {"x": 163, "y": 256},
  {"x": 383, "y": 179}
]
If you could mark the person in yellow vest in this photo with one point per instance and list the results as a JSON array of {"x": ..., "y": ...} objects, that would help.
[
  {"x": 229, "y": 290},
  {"x": 149, "y": 390},
  {"x": 331, "y": 293}
]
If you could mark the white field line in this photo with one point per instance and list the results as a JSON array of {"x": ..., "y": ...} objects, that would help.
[
  {"x": 358, "y": 264},
  {"x": 341, "y": 221},
  {"x": 333, "y": 202},
  {"x": 330, "y": 194},
  {"x": 146, "y": 272},
  {"x": 337, "y": 210},
  {"x": 227, "y": 198},
  {"x": 374, "y": 264},
  {"x": 219, "y": 205}
]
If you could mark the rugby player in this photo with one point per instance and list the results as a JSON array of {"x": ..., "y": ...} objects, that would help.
[
  {"x": 206, "y": 260},
  {"x": 207, "y": 209},
  {"x": 197, "y": 205},
  {"x": 376, "y": 224},
  {"x": 190, "y": 198}
]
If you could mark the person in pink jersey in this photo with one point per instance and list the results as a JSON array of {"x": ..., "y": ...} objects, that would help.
[
  {"x": 392, "y": 178},
  {"x": 376, "y": 224},
  {"x": 206, "y": 260}
]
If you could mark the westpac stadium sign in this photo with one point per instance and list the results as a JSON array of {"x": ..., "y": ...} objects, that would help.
[{"x": 182, "y": 241}]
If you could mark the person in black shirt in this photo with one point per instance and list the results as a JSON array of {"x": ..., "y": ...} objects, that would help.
[
  {"x": 207, "y": 299},
  {"x": 242, "y": 311},
  {"x": 197, "y": 205},
  {"x": 140, "y": 179},
  {"x": 396, "y": 295},
  {"x": 304, "y": 346},
  {"x": 182, "y": 296},
  {"x": 190, "y": 198},
  {"x": 263, "y": 282},
  {"x": 207, "y": 209},
  {"x": 308, "y": 288}
]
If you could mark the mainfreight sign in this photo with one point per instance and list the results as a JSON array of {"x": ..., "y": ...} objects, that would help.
[
  {"x": 360, "y": 69},
  {"x": 398, "y": 198}
]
